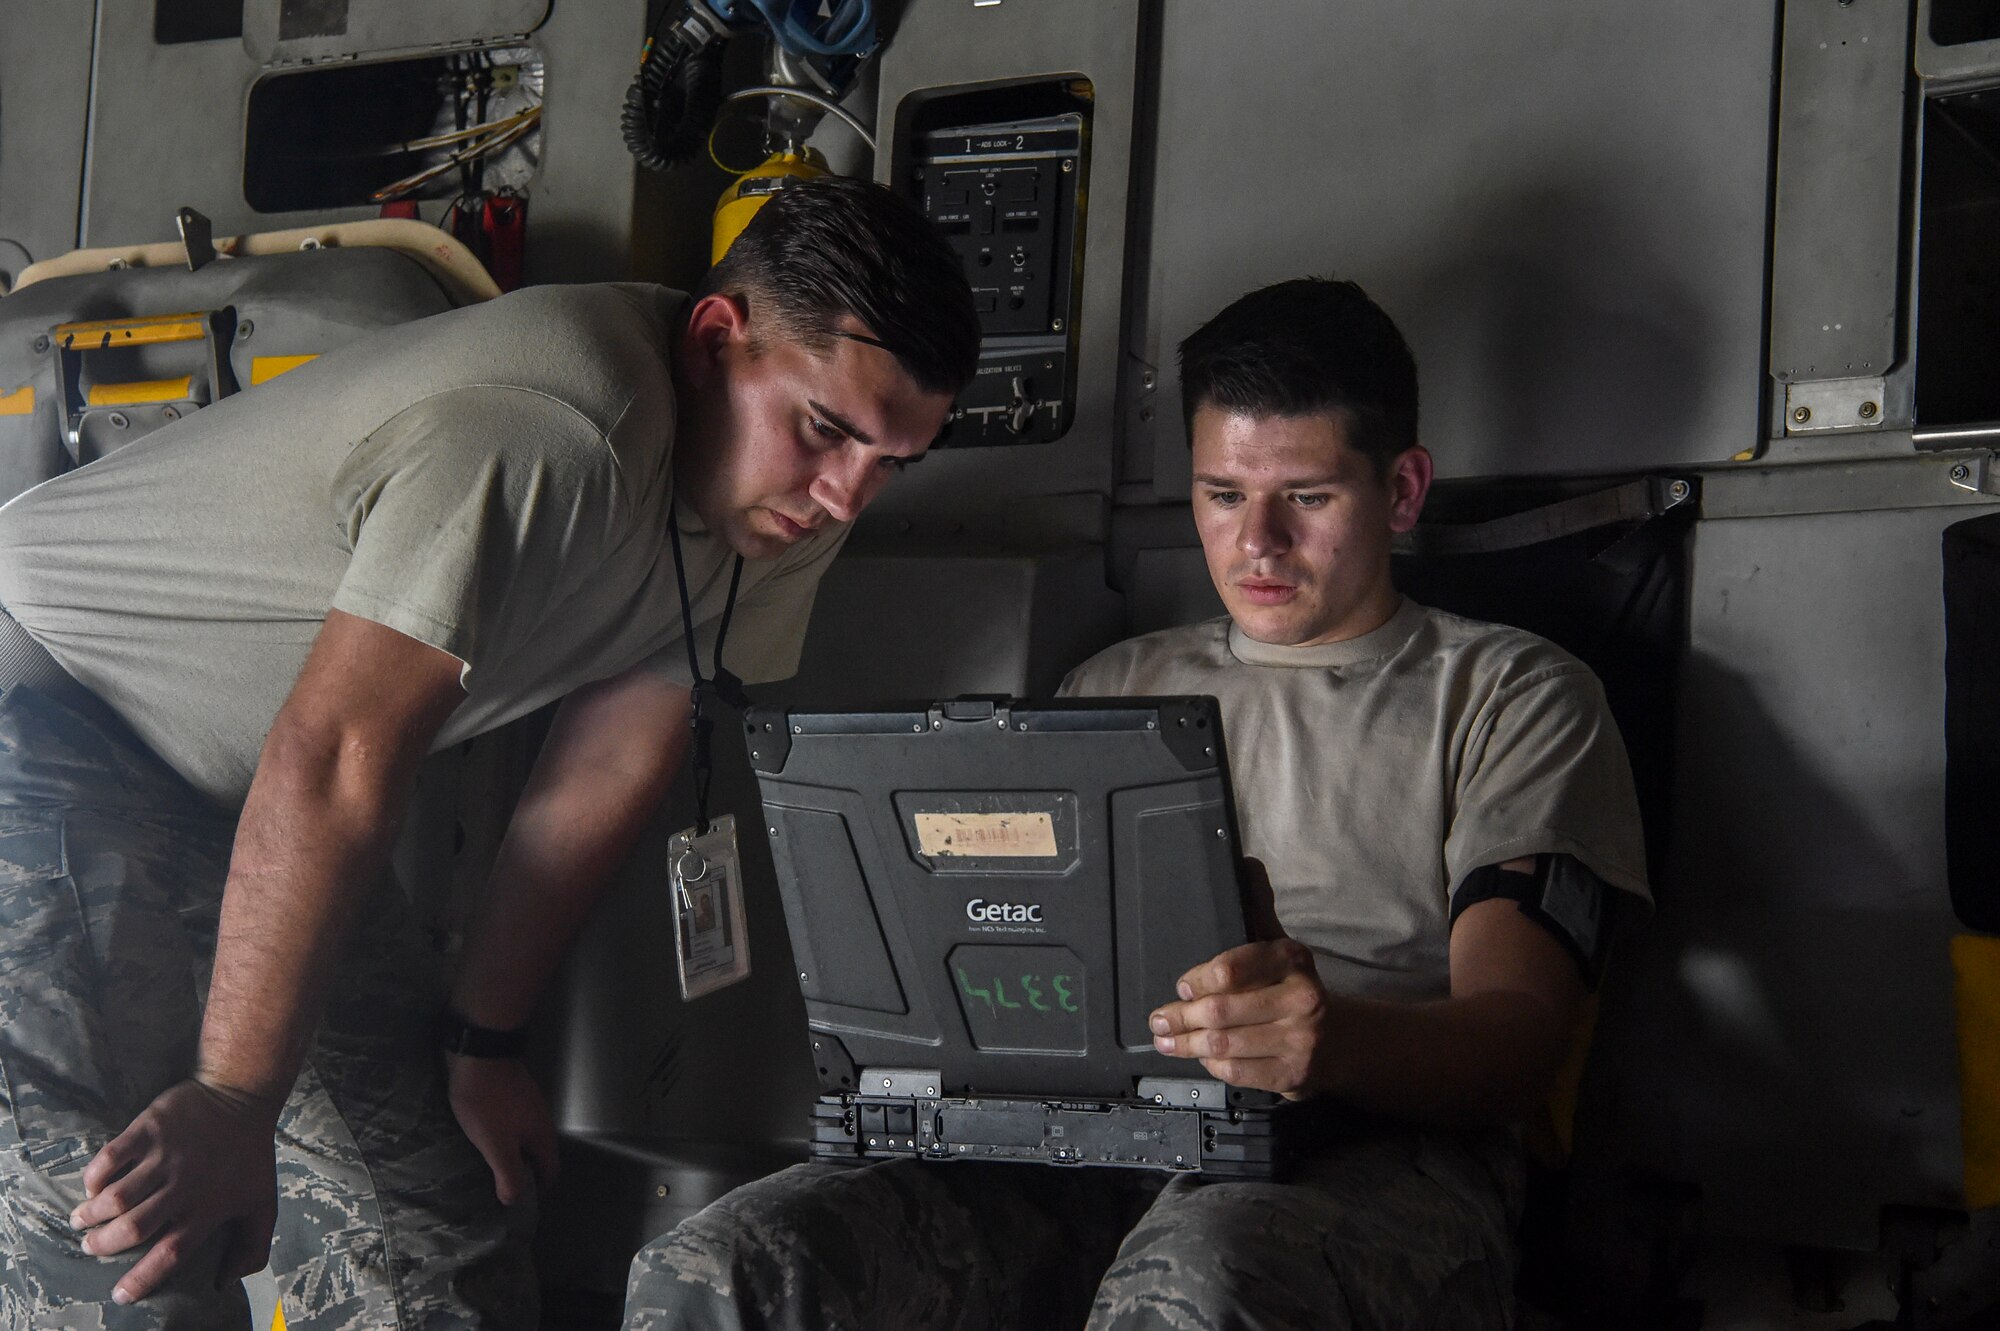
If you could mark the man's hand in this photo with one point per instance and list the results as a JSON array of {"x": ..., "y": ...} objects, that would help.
[
  {"x": 199, "y": 1157},
  {"x": 1256, "y": 1017},
  {"x": 505, "y": 1115}
]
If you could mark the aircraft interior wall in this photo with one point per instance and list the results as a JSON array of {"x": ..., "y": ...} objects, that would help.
[{"x": 1672, "y": 247}]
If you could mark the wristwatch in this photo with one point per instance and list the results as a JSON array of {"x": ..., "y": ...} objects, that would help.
[{"x": 461, "y": 1037}]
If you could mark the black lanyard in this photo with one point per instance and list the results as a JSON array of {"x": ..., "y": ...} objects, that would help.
[{"x": 719, "y": 686}]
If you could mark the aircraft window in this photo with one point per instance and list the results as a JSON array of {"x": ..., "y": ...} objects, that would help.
[
  {"x": 1958, "y": 280},
  {"x": 176, "y": 21},
  {"x": 1956, "y": 21},
  {"x": 432, "y": 128}
]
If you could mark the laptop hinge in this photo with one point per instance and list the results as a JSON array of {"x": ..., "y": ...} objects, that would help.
[
  {"x": 921, "y": 1083},
  {"x": 1184, "y": 1092}
]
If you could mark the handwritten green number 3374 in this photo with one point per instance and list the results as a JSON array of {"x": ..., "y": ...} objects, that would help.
[{"x": 1036, "y": 990}]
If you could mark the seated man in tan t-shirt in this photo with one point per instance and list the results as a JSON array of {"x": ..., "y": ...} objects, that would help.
[{"x": 1446, "y": 817}]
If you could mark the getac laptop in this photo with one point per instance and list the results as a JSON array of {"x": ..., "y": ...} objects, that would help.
[{"x": 986, "y": 901}]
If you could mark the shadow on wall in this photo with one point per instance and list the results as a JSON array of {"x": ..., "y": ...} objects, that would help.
[
  {"x": 1581, "y": 363},
  {"x": 1745, "y": 1046}
]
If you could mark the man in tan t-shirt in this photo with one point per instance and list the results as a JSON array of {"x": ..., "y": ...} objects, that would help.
[
  {"x": 1446, "y": 817},
  {"x": 228, "y": 647}
]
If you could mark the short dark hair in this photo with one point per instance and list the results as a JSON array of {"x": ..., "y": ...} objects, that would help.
[
  {"x": 823, "y": 249},
  {"x": 1303, "y": 347}
]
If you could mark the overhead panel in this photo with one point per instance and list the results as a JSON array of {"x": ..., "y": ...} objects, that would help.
[
  {"x": 1042, "y": 94},
  {"x": 292, "y": 31},
  {"x": 1564, "y": 206}
]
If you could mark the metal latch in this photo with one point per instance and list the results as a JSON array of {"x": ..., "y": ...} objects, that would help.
[{"x": 1976, "y": 474}]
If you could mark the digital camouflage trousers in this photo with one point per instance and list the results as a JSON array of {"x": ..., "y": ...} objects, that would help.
[
  {"x": 1395, "y": 1231},
  {"x": 111, "y": 873}
]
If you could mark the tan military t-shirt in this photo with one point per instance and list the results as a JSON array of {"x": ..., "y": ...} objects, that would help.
[
  {"x": 1372, "y": 775},
  {"x": 493, "y": 481}
]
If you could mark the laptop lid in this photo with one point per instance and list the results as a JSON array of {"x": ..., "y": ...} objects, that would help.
[{"x": 997, "y": 892}]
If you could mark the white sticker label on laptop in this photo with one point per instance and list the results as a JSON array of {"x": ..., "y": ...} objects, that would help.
[
  {"x": 709, "y": 941},
  {"x": 983, "y": 835}
]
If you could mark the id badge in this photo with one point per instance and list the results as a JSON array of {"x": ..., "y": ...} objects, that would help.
[{"x": 709, "y": 941}]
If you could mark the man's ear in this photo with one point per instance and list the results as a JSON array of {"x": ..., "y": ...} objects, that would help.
[
  {"x": 1409, "y": 481},
  {"x": 715, "y": 325}
]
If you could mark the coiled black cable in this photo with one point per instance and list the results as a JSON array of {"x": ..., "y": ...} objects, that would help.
[{"x": 674, "y": 100}]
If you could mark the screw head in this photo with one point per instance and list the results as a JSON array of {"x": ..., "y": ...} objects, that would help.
[
  {"x": 244, "y": 329},
  {"x": 660, "y": 1191},
  {"x": 1868, "y": 410},
  {"x": 1679, "y": 490},
  {"x": 171, "y": 413},
  {"x": 41, "y": 345},
  {"x": 1960, "y": 471},
  {"x": 1056, "y": 325},
  {"x": 1069, "y": 166},
  {"x": 118, "y": 420},
  {"x": 1800, "y": 415}
]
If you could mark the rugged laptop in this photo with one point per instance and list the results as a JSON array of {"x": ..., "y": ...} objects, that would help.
[{"x": 986, "y": 902}]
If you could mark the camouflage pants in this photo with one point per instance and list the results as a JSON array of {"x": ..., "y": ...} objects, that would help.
[
  {"x": 111, "y": 872},
  {"x": 1400, "y": 1230}
]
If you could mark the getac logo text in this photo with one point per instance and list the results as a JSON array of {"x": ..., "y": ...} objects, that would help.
[{"x": 981, "y": 911}]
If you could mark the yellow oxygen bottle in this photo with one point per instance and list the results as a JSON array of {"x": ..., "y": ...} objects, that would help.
[{"x": 740, "y": 202}]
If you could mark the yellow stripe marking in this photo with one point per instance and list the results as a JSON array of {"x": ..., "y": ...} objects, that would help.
[
  {"x": 20, "y": 402},
  {"x": 98, "y": 334},
  {"x": 1975, "y": 962},
  {"x": 140, "y": 392},
  {"x": 264, "y": 368}
]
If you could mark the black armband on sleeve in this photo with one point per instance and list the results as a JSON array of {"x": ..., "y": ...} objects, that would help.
[{"x": 1562, "y": 895}]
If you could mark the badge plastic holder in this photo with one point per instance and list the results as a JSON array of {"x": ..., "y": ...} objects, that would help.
[{"x": 710, "y": 945}]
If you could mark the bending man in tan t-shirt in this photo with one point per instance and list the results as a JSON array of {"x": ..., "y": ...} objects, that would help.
[{"x": 256, "y": 622}]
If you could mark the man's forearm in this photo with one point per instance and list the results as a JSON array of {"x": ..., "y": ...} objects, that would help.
[
  {"x": 560, "y": 850},
  {"x": 1485, "y": 1058},
  {"x": 314, "y": 835},
  {"x": 608, "y": 761}
]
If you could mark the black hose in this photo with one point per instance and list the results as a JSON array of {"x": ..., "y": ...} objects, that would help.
[{"x": 674, "y": 101}]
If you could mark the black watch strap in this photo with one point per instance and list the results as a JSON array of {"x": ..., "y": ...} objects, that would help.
[{"x": 461, "y": 1037}]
